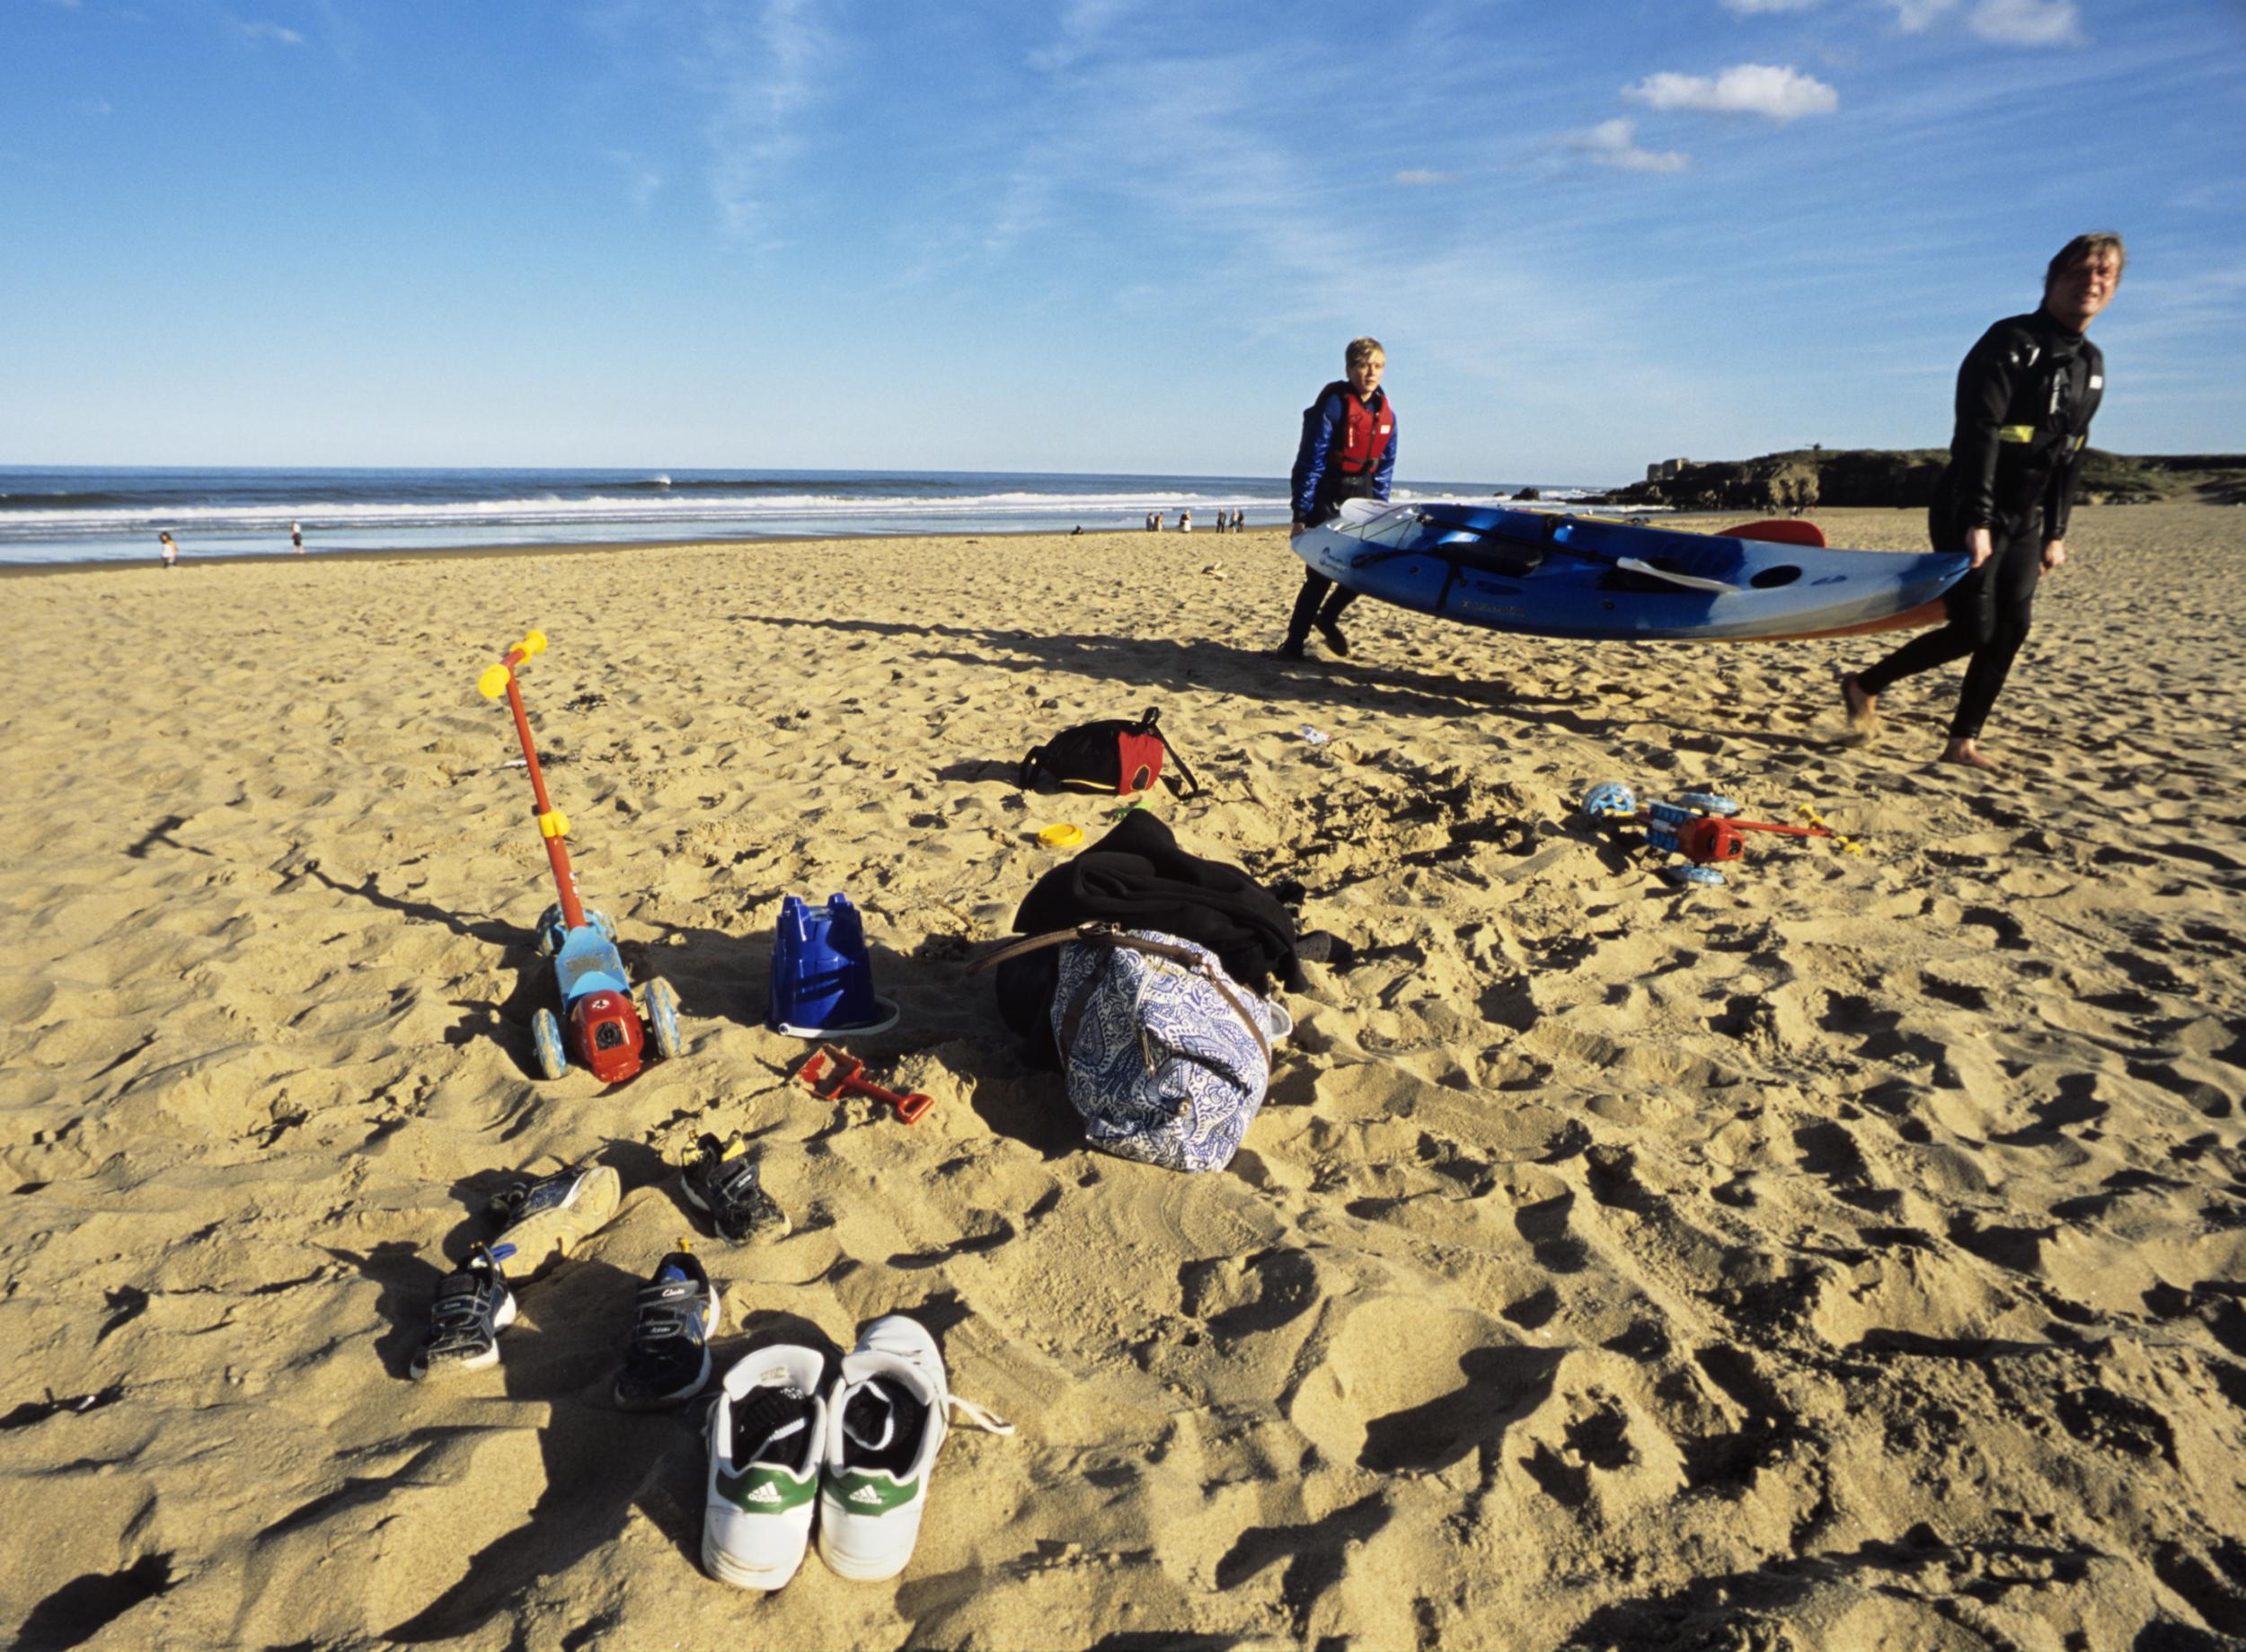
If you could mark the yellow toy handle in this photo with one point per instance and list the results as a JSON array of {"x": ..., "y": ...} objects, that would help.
[{"x": 493, "y": 683}]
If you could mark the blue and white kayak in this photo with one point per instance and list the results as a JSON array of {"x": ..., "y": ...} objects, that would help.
[{"x": 1559, "y": 576}]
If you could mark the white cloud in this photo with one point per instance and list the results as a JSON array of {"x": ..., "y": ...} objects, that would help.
[
  {"x": 269, "y": 31},
  {"x": 1745, "y": 89},
  {"x": 1614, "y": 142},
  {"x": 1749, "y": 8},
  {"x": 763, "y": 70},
  {"x": 1414, "y": 178},
  {"x": 1918, "y": 16},
  {"x": 2026, "y": 22},
  {"x": 1082, "y": 26}
]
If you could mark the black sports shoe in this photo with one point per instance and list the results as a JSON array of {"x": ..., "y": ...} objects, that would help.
[
  {"x": 667, "y": 1360},
  {"x": 473, "y": 1306},
  {"x": 1335, "y": 641},
  {"x": 722, "y": 1181}
]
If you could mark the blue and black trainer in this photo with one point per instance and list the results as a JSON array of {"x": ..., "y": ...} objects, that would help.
[{"x": 667, "y": 1360}]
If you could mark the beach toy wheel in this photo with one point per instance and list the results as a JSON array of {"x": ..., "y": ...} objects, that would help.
[
  {"x": 662, "y": 1019},
  {"x": 1708, "y": 803},
  {"x": 1610, "y": 799},
  {"x": 1688, "y": 876},
  {"x": 549, "y": 930},
  {"x": 546, "y": 1032}
]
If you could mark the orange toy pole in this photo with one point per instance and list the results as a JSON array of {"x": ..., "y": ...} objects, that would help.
[{"x": 553, "y": 825}]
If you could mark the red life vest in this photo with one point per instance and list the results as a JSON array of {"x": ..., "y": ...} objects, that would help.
[{"x": 1363, "y": 433}]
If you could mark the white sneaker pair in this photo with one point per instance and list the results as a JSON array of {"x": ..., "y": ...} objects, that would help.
[{"x": 857, "y": 1455}]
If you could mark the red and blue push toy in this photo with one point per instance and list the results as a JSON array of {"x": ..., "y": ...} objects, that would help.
[
  {"x": 604, "y": 1028},
  {"x": 1700, "y": 826}
]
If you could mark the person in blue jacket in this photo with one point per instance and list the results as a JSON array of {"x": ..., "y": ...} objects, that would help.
[
  {"x": 2026, "y": 395},
  {"x": 1347, "y": 452}
]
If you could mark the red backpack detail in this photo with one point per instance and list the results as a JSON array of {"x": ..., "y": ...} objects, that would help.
[{"x": 1113, "y": 754}]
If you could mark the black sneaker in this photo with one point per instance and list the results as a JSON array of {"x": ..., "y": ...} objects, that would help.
[
  {"x": 1289, "y": 649},
  {"x": 473, "y": 1306},
  {"x": 669, "y": 1358},
  {"x": 723, "y": 1183},
  {"x": 1335, "y": 641}
]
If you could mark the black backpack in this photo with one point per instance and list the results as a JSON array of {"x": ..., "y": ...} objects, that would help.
[{"x": 1114, "y": 754}]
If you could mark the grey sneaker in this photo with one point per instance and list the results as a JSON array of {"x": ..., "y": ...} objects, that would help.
[{"x": 545, "y": 1220}]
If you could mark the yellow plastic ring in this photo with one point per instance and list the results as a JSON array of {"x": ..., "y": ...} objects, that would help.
[{"x": 1061, "y": 836}]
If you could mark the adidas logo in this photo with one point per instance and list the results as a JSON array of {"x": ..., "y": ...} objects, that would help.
[
  {"x": 765, "y": 1493},
  {"x": 865, "y": 1494}
]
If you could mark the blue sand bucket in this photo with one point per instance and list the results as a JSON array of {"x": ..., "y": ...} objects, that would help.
[{"x": 822, "y": 981}]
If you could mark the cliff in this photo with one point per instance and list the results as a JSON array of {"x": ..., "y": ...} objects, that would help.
[{"x": 1904, "y": 479}]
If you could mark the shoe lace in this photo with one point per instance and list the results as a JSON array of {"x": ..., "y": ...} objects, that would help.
[{"x": 980, "y": 1417}]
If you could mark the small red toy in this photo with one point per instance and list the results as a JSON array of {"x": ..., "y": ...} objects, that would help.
[{"x": 846, "y": 1081}]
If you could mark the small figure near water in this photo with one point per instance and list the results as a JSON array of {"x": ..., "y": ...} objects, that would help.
[
  {"x": 297, "y": 537},
  {"x": 169, "y": 549},
  {"x": 2026, "y": 395},
  {"x": 1185, "y": 522},
  {"x": 1347, "y": 452}
]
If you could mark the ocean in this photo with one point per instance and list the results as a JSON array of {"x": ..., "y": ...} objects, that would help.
[{"x": 84, "y": 513}]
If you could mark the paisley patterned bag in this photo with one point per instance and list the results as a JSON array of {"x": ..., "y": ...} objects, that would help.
[{"x": 1166, "y": 1056}]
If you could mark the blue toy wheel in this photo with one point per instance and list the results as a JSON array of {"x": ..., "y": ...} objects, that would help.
[
  {"x": 1688, "y": 875},
  {"x": 549, "y": 926},
  {"x": 1609, "y": 799},
  {"x": 1708, "y": 803},
  {"x": 662, "y": 1019},
  {"x": 546, "y": 1032}
]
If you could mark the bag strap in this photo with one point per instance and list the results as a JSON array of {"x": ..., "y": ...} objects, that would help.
[
  {"x": 1196, "y": 962},
  {"x": 1146, "y": 725}
]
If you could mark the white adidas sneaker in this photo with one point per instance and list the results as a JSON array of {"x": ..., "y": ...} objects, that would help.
[
  {"x": 767, "y": 1432},
  {"x": 886, "y": 1415}
]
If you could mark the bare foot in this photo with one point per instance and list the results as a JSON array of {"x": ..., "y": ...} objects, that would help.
[
  {"x": 1967, "y": 753},
  {"x": 1863, "y": 709}
]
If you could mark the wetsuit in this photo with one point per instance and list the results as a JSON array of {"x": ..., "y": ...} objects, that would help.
[
  {"x": 1324, "y": 477},
  {"x": 2026, "y": 395}
]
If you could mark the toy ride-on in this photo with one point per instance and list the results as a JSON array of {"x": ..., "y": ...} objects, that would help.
[
  {"x": 1699, "y": 827},
  {"x": 605, "y": 1030}
]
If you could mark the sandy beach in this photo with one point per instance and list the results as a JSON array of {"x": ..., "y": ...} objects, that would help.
[{"x": 1847, "y": 1257}]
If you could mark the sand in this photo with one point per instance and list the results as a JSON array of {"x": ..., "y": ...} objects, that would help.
[{"x": 1847, "y": 1257}]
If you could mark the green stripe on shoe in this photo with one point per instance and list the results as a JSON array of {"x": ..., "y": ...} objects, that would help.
[
  {"x": 766, "y": 1491},
  {"x": 871, "y": 1494}
]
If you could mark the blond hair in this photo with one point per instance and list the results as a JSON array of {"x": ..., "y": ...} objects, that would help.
[
  {"x": 2081, "y": 249},
  {"x": 1362, "y": 350}
]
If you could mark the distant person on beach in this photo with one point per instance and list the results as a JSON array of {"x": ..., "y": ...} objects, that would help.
[
  {"x": 1347, "y": 452},
  {"x": 297, "y": 537},
  {"x": 1185, "y": 522},
  {"x": 1158, "y": 522},
  {"x": 168, "y": 548},
  {"x": 2026, "y": 395}
]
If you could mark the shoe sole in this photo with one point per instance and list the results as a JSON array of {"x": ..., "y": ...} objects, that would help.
[
  {"x": 548, "y": 1235},
  {"x": 422, "y": 1371},
  {"x": 854, "y": 1567},
  {"x": 725, "y": 1569}
]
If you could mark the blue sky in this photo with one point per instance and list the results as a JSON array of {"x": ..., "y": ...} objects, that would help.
[{"x": 1094, "y": 235}]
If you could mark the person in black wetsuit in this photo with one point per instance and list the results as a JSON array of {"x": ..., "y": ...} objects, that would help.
[
  {"x": 2026, "y": 395},
  {"x": 1347, "y": 452}
]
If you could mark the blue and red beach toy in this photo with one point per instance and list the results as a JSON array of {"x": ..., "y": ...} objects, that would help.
[{"x": 605, "y": 1027}]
